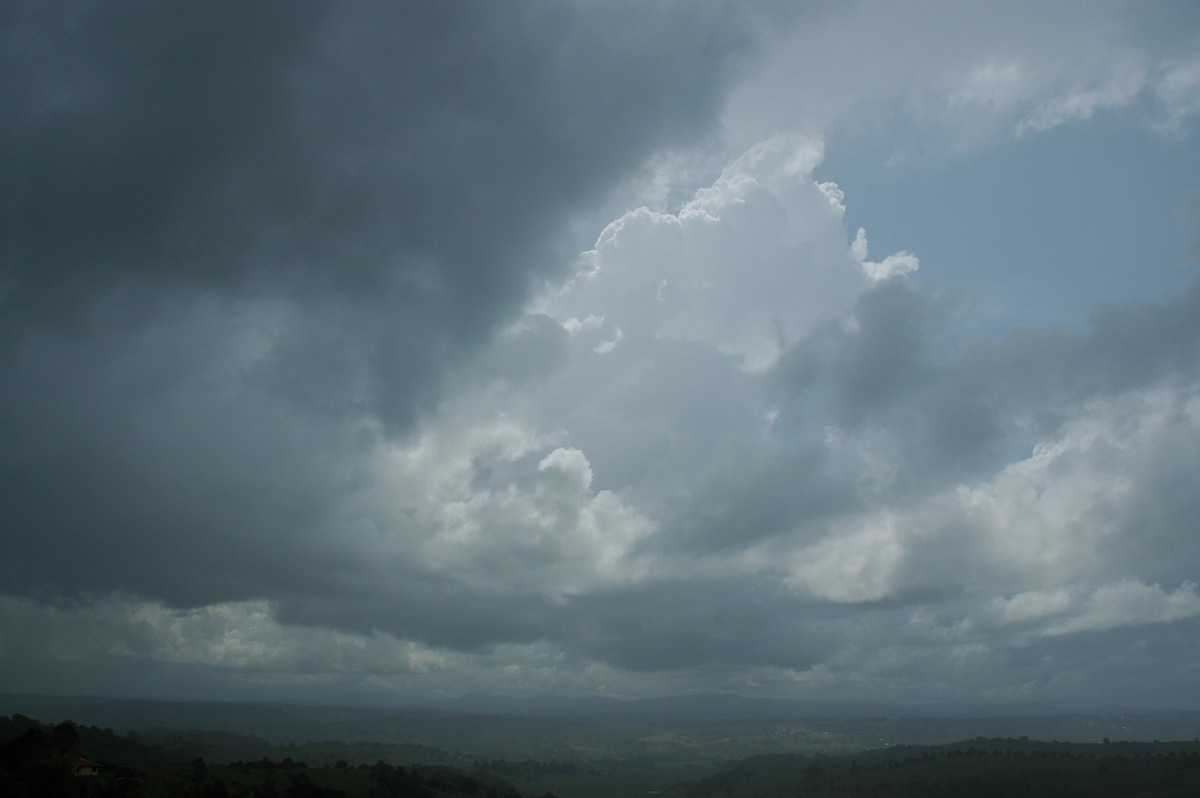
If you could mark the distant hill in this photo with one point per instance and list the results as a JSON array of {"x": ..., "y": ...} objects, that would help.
[
  {"x": 980, "y": 768},
  {"x": 686, "y": 728},
  {"x": 727, "y": 707}
]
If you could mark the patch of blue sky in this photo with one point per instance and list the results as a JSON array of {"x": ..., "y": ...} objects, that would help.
[{"x": 1041, "y": 227}]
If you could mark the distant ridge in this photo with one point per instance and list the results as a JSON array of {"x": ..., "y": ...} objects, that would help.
[
  {"x": 691, "y": 726},
  {"x": 726, "y": 707},
  {"x": 277, "y": 720}
]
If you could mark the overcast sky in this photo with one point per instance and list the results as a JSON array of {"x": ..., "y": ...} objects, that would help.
[{"x": 382, "y": 351}]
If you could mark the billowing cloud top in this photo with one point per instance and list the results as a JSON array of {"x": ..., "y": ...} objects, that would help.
[{"x": 391, "y": 351}]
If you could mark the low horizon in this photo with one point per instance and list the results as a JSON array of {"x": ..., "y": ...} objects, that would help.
[{"x": 560, "y": 704}]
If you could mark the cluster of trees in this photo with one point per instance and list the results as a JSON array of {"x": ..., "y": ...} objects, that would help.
[
  {"x": 295, "y": 785},
  {"x": 33, "y": 762},
  {"x": 266, "y": 763},
  {"x": 997, "y": 767},
  {"x": 87, "y": 741},
  {"x": 398, "y": 782},
  {"x": 527, "y": 768},
  {"x": 37, "y": 760}
]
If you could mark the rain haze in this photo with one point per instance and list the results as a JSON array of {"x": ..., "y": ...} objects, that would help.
[{"x": 379, "y": 352}]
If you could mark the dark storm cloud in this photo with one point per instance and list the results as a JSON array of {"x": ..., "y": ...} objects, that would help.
[
  {"x": 716, "y": 623},
  {"x": 241, "y": 239},
  {"x": 737, "y": 504},
  {"x": 420, "y": 606},
  {"x": 423, "y": 152},
  {"x": 965, "y": 413},
  {"x": 1147, "y": 662},
  {"x": 193, "y": 130}
]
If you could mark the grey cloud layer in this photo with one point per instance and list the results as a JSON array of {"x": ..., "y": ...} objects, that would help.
[
  {"x": 238, "y": 239},
  {"x": 303, "y": 376},
  {"x": 412, "y": 161}
]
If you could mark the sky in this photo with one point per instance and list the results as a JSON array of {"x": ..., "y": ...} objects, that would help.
[{"x": 378, "y": 352}]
